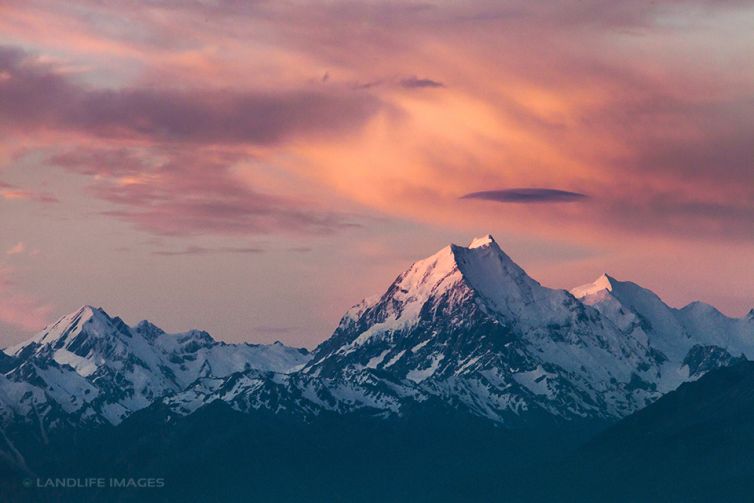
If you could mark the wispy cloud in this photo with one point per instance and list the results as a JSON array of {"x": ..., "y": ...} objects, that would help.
[
  {"x": 39, "y": 96},
  {"x": 16, "y": 249},
  {"x": 199, "y": 250},
  {"x": 175, "y": 192},
  {"x": 11, "y": 192},
  {"x": 275, "y": 330}
]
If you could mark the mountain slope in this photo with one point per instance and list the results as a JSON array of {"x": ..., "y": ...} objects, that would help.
[
  {"x": 430, "y": 453},
  {"x": 693, "y": 444}
]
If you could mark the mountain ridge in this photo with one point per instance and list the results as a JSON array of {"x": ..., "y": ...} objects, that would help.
[
  {"x": 100, "y": 370},
  {"x": 469, "y": 327},
  {"x": 465, "y": 326}
]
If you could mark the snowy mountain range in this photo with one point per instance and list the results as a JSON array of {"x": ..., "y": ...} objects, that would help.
[
  {"x": 88, "y": 368},
  {"x": 466, "y": 328}
]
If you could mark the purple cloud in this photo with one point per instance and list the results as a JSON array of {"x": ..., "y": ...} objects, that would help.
[
  {"x": 527, "y": 195},
  {"x": 417, "y": 83},
  {"x": 34, "y": 95}
]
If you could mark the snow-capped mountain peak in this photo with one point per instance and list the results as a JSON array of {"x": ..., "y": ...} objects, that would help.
[
  {"x": 148, "y": 329},
  {"x": 493, "y": 275},
  {"x": 485, "y": 240},
  {"x": 480, "y": 276},
  {"x": 471, "y": 323},
  {"x": 77, "y": 331}
]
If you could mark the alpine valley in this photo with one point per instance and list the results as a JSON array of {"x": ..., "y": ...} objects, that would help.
[{"x": 465, "y": 380}]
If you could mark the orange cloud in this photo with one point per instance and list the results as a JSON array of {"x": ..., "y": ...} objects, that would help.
[
  {"x": 16, "y": 249},
  {"x": 426, "y": 103},
  {"x": 11, "y": 192}
]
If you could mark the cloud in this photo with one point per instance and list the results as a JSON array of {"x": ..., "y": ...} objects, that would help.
[
  {"x": 642, "y": 106},
  {"x": 367, "y": 85},
  {"x": 417, "y": 83},
  {"x": 37, "y": 96},
  {"x": 199, "y": 250},
  {"x": 527, "y": 195},
  {"x": 16, "y": 249},
  {"x": 682, "y": 215},
  {"x": 628, "y": 101},
  {"x": 11, "y": 192},
  {"x": 177, "y": 193},
  {"x": 268, "y": 330}
]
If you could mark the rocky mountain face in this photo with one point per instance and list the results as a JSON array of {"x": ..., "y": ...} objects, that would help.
[{"x": 466, "y": 328}]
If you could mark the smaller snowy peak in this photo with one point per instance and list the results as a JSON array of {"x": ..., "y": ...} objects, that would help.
[
  {"x": 87, "y": 319},
  {"x": 148, "y": 330},
  {"x": 603, "y": 283},
  {"x": 86, "y": 314},
  {"x": 193, "y": 340},
  {"x": 701, "y": 308}
]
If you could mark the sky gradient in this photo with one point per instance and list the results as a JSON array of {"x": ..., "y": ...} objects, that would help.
[{"x": 255, "y": 168}]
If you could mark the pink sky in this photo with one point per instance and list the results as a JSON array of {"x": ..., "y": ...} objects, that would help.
[{"x": 254, "y": 168}]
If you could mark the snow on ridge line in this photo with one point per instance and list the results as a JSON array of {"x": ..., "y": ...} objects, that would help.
[
  {"x": 602, "y": 283},
  {"x": 481, "y": 241},
  {"x": 98, "y": 322}
]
